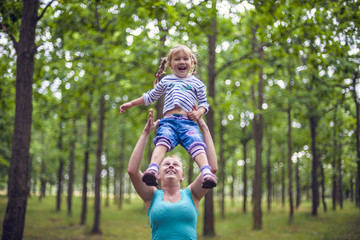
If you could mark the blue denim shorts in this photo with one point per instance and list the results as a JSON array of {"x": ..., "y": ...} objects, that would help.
[{"x": 177, "y": 129}]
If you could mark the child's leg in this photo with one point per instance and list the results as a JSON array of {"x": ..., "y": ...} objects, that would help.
[
  {"x": 152, "y": 172},
  {"x": 208, "y": 178}
]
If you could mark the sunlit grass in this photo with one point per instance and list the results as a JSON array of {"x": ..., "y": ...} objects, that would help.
[{"x": 131, "y": 222}]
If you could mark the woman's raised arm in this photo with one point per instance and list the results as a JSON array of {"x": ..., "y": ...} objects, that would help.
[
  {"x": 144, "y": 191},
  {"x": 195, "y": 187}
]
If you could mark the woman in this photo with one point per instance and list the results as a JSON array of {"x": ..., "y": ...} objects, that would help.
[{"x": 172, "y": 211}]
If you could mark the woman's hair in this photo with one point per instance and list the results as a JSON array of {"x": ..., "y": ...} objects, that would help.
[{"x": 164, "y": 61}]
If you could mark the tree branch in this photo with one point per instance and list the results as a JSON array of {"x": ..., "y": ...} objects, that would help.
[
  {"x": 6, "y": 30},
  {"x": 44, "y": 10},
  {"x": 229, "y": 63}
]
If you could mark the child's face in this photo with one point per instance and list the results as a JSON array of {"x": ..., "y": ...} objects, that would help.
[{"x": 181, "y": 64}]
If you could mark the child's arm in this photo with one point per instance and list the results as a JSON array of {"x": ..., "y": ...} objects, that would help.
[
  {"x": 133, "y": 103},
  {"x": 195, "y": 115}
]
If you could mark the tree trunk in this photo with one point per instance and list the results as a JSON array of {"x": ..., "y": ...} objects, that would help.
[
  {"x": 209, "y": 229},
  {"x": 339, "y": 192},
  {"x": 86, "y": 168},
  {"x": 334, "y": 175},
  {"x": 96, "y": 225},
  {"x": 14, "y": 220},
  {"x": 42, "y": 170},
  {"x": 60, "y": 170},
  {"x": 298, "y": 193},
  {"x": 323, "y": 187},
  {"x": 282, "y": 165},
  {"x": 107, "y": 184},
  {"x": 357, "y": 136},
  {"x": 233, "y": 176},
  {"x": 268, "y": 175},
  {"x": 290, "y": 191},
  {"x": 258, "y": 135},
  {"x": 351, "y": 192},
  {"x": 245, "y": 174},
  {"x": 71, "y": 168},
  {"x": 222, "y": 171},
  {"x": 315, "y": 166},
  {"x": 121, "y": 167}
]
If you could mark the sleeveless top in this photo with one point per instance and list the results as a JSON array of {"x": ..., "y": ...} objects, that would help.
[{"x": 173, "y": 221}]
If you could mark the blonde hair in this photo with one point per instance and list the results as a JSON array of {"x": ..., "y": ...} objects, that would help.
[{"x": 165, "y": 61}]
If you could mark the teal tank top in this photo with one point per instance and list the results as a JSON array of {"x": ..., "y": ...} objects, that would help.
[{"x": 173, "y": 221}]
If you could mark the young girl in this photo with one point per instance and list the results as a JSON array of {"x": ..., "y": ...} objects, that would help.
[{"x": 182, "y": 90}]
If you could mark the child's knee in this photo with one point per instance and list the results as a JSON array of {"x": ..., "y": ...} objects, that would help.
[
  {"x": 163, "y": 142},
  {"x": 196, "y": 149}
]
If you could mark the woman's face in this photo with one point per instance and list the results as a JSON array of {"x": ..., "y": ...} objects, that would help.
[{"x": 171, "y": 168}]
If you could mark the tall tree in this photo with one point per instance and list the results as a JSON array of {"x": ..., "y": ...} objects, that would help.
[
  {"x": 14, "y": 220},
  {"x": 257, "y": 97},
  {"x": 209, "y": 227}
]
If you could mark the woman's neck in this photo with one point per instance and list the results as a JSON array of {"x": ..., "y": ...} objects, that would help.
[{"x": 171, "y": 194}]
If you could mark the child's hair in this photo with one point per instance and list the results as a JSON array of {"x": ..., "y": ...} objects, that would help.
[{"x": 164, "y": 61}]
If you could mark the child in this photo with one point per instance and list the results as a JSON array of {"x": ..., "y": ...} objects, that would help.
[{"x": 181, "y": 91}]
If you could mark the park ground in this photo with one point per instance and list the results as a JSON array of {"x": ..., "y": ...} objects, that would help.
[{"x": 44, "y": 223}]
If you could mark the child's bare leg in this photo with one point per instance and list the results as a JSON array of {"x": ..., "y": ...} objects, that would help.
[
  {"x": 152, "y": 172},
  {"x": 209, "y": 179}
]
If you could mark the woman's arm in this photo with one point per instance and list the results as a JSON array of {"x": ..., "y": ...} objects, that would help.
[
  {"x": 197, "y": 191},
  {"x": 144, "y": 191}
]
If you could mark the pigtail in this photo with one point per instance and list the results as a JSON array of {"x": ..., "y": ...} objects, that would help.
[
  {"x": 195, "y": 64},
  {"x": 161, "y": 71}
]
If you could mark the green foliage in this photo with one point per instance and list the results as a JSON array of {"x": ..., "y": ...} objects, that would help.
[{"x": 86, "y": 49}]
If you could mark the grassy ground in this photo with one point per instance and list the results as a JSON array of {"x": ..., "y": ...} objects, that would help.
[{"x": 43, "y": 223}]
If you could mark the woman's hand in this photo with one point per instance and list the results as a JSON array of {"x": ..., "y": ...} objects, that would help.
[{"x": 150, "y": 124}]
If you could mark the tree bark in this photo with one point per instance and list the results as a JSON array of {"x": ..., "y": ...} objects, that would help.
[
  {"x": 315, "y": 166},
  {"x": 14, "y": 220},
  {"x": 121, "y": 167},
  {"x": 290, "y": 182},
  {"x": 71, "y": 168},
  {"x": 222, "y": 171},
  {"x": 60, "y": 170},
  {"x": 323, "y": 187},
  {"x": 245, "y": 175},
  {"x": 268, "y": 175},
  {"x": 107, "y": 185},
  {"x": 86, "y": 169},
  {"x": 258, "y": 123},
  {"x": 357, "y": 136},
  {"x": 209, "y": 228},
  {"x": 334, "y": 174},
  {"x": 298, "y": 193},
  {"x": 339, "y": 192},
  {"x": 96, "y": 225},
  {"x": 282, "y": 165}
]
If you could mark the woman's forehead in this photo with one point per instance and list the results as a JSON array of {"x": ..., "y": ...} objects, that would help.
[{"x": 172, "y": 159}]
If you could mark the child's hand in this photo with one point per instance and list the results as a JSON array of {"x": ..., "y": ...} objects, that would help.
[
  {"x": 125, "y": 106},
  {"x": 194, "y": 114}
]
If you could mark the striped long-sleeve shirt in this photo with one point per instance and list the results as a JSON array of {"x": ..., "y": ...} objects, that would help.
[{"x": 182, "y": 92}]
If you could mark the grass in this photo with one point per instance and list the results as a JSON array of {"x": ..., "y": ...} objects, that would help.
[{"x": 131, "y": 222}]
